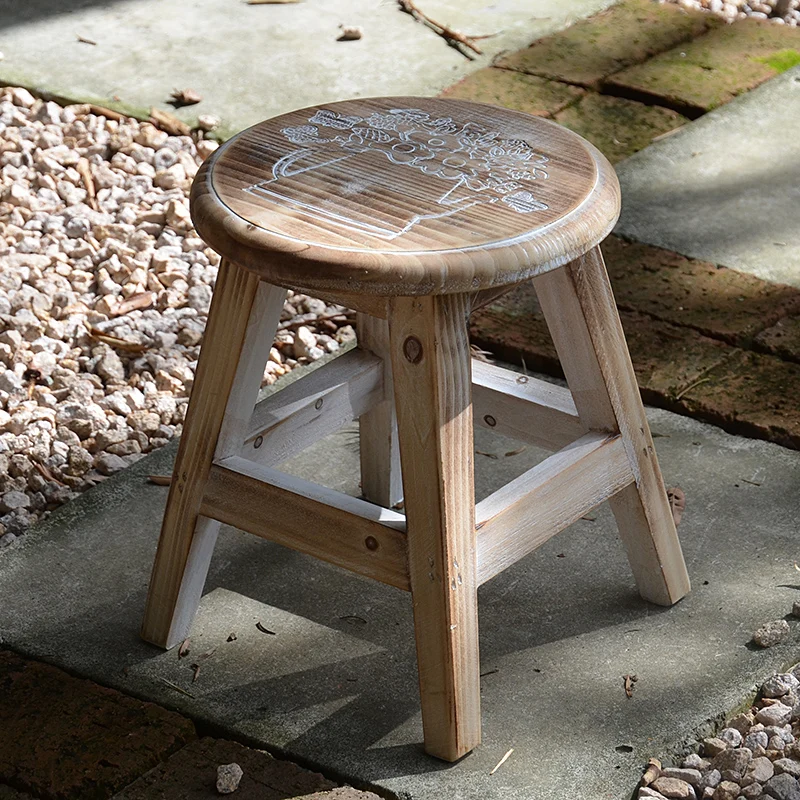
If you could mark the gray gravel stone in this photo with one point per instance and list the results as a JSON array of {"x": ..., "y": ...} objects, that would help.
[
  {"x": 772, "y": 633},
  {"x": 777, "y": 714},
  {"x": 779, "y": 685},
  {"x": 228, "y": 778},
  {"x": 782, "y": 787}
]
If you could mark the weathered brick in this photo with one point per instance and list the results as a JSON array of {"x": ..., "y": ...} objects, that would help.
[
  {"x": 513, "y": 90},
  {"x": 751, "y": 394},
  {"x": 666, "y": 358},
  {"x": 712, "y": 69},
  {"x": 70, "y": 739},
  {"x": 618, "y": 127},
  {"x": 782, "y": 339},
  {"x": 627, "y": 33},
  {"x": 716, "y": 301},
  {"x": 191, "y": 774}
]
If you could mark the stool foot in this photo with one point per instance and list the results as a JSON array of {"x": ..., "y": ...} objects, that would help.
[
  {"x": 431, "y": 365},
  {"x": 579, "y": 307},
  {"x": 242, "y": 321}
]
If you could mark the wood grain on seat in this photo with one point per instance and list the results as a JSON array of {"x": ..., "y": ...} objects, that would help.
[{"x": 404, "y": 196}]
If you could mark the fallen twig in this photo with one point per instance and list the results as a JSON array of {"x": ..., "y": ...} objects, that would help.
[
  {"x": 102, "y": 111},
  {"x": 46, "y": 474},
  {"x": 86, "y": 40},
  {"x": 502, "y": 761},
  {"x": 454, "y": 37},
  {"x": 160, "y": 480},
  {"x": 134, "y": 303},
  {"x": 116, "y": 342},
  {"x": 176, "y": 688},
  {"x": 85, "y": 171},
  {"x": 169, "y": 122}
]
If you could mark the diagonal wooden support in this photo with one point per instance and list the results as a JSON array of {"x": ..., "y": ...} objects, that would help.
[{"x": 581, "y": 314}]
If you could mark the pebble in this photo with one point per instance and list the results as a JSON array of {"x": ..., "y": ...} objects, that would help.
[
  {"x": 779, "y": 685},
  {"x": 228, "y": 778},
  {"x": 782, "y": 787},
  {"x": 772, "y": 633},
  {"x": 674, "y": 788},
  {"x": 776, "y": 714},
  {"x": 731, "y": 10},
  {"x": 66, "y": 267}
]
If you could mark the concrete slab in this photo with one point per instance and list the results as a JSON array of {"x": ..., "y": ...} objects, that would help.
[
  {"x": 335, "y": 687},
  {"x": 725, "y": 188},
  {"x": 250, "y": 62}
]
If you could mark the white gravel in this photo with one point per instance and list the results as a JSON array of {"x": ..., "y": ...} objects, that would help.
[
  {"x": 103, "y": 301},
  {"x": 781, "y": 12}
]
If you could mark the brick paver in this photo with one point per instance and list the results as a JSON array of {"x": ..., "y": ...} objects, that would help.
[
  {"x": 618, "y": 127},
  {"x": 514, "y": 90},
  {"x": 191, "y": 774},
  {"x": 69, "y": 739},
  {"x": 712, "y": 69},
  {"x": 593, "y": 49},
  {"x": 782, "y": 339}
]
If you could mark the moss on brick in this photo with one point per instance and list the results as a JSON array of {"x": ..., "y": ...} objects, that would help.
[
  {"x": 618, "y": 127},
  {"x": 627, "y": 33},
  {"x": 516, "y": 91},
  {"x": 712, "y": 69}
]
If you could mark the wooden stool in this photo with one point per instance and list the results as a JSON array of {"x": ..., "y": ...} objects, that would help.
[{"x": 412, "y": 212}]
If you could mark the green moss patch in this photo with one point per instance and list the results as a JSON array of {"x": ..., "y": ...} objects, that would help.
[
  {"x": 627, "y": 33},
  {"x": 618, "y": 127},
  {"x": 514, "y": 90},
  {"x": 782, "y": 60}
]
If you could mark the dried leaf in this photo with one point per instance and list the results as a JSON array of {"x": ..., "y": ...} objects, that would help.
[
  {"x": 160, "y": 480},
  {"x": 135, "y": 302},
  {"x": 484, "y": 453},
  {"x": 184, "y": 649},
  {"x": 186, "y": 97},
  {"x": 515, "y": 452},
  {"x": 677, "y": 502},
  {"x": 629, "y": 681},
  {"x": 169, "y": 122},
  {"x": 196, "y": 670},
  {"x": 264, "y": 629},
  {"x": 86, "y": 40},
  {"x": 353, "y": 620},
  {"x": 350, "y": 33},
  {"x": 232, "y": 637}
]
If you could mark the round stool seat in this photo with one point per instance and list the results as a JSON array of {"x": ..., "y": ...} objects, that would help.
[{"x": 404, "y": 196}]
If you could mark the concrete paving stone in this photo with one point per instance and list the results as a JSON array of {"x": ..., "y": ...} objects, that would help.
[
  {"x": 716, "y": 301},
  {"x": 558, "y": 630},
  {"x": 666, "y": 358},
  {"x": 192, "y": 773},
  {"x": 712, "y": 69},
  {"x": 753, "y": 394},
  {"x": 591, "y": 50},
  {"x": 782, "y": 339},
  {"x": 70, "y": 739},
  {"x": 251, "y": 62},
  {"x": 726, "y": 188},
  {"x": 514, "y": 90},
  {"x": 618, "y": 127}
]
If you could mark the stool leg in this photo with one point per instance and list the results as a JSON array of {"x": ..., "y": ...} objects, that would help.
[
  {"x": 579, "y": 307},
  {"x": 432, "y": 388},
  {"x": 380, "y": 453},
  {"x": 241, "y": 326}
]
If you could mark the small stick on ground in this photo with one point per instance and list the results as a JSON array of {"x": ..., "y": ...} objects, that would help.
[
  {"x": 502, "y": 761},
  {"x": 453, "y": 37},
  {"x": 85, "y": 171},
  {"x": 160, "y": 480},
  {"x": 175, "y": 687}
]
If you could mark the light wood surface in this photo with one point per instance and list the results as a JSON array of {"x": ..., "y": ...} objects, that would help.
[
  {"x": 525, "y": 513},
  {"x": 242, "y": 321},
  {"x": 381, "y": 480},
  {"x": 313, "y": 519},
  {"x": 523, "y": 407},
  {"x": 431, "y": 366},
  {"x": 404, "y": 196},
  {"x": 581, "y": 314},
  {"x": 288, "y": 421}
]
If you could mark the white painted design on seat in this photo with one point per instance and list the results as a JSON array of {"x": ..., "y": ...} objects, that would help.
[{"x": 479, "y": 164}]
